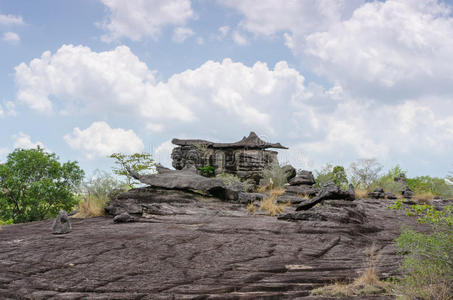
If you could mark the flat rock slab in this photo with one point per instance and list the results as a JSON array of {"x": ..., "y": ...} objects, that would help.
[{"x": 214, "y": 251}]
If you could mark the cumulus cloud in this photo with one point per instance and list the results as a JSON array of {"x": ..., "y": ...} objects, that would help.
[
  {"x": 222, "y": 101},
  {"x": 163, "y": 152},
  {"x": 135, "y": 19},
  {"x": 2, "y": 113},
  {"x": 387, "y": 50},
  {"x": 22, "y": 140},
  {"x": 180, "y": 34},
  {"x": 100, "y": 140},
  {"x": 11, "y": 20},
  {"x": 11, "y": 37}
]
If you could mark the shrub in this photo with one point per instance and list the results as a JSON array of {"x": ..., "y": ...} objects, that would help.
[
  {"x": 95, "y": 193},
  {"x": 428, "y": 257},
  {"x": 432, "y": 185},
  {"x": 34, "y": 185},
  {"x": 388, "y": 183},
  {"x": 138, "y": 162},
  {"x": 335, "y": 174},
  {"x": 230, "y": 180},
  {"x": 207, "y": 171},
  {"x": 276, "y": 175},
  {"x": 364, "y": 172}
]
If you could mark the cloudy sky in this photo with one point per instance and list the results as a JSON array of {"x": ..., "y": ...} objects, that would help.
[{"x": 334, "y": 80}]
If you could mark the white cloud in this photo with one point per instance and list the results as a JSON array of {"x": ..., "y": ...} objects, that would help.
[
  {"x": 239, "y": 39},
  {"x": 2, "y": 113},
  {"x": 11, "y": 37},
  {"x": 82, "y": 79},
  {"x": 22, "y": 140},
  {"x": 100, "y": 140},
  {"x": 135, "y": 19},
  {"x": 163, "y": 152},
  {"x": 153, "y": 127},
  {"x": 180, "y": 34},
  {"x": 11, "y": 20},
  {"x": 223, "y": 30}
]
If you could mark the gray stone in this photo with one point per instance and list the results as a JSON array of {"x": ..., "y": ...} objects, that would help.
[
  {"x": 61, "y": 224},
  {"x": 290, "y": 172},
  {"x": 329, "y": 191},
  {"x": 408, "y": 193},
  {"x": 303, "y": 178},
  {"x": 377, "y": 194},
  {"x": 246, "y": 198},
  {"x": 390, "y": 196},
  {"x": 293, "y": 200},
  {"x": 124, "y": 218},
  {"x": 302, "y": 190}
]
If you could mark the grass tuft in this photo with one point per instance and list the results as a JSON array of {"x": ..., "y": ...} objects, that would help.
[
  {"x": 269, "y": 204},
  {"x": 251, "y": 208},
  {"x": 361, "y": 194},
  {"x": 91, "y": 206}
]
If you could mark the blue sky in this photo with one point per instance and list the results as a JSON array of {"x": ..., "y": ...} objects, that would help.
[{"x": 333, "y": 80}]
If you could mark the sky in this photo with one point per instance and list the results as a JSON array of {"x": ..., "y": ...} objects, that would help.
[{"x": 333, "y": 80}]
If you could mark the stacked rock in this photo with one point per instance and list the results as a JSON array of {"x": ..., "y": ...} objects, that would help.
[{"x": 302, "y": 184}]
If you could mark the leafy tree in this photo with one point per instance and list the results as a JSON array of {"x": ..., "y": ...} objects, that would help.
[
  {"x": 137, "y": 162},
  {"x": 329, "y": 172},
  {"x": 34, "y": 185},
  {"x": 387, "y": 181},
  {"x": 364, "y": 172},
  {"x": 433, "y": 185}
]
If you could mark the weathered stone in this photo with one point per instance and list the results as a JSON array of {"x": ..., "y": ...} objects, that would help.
[
  {"x": 377, "y": 194},
  {"x": 390, "y": 196},
  {"x": 205, "y": 250},
  {"x": 293, "y": 200},
  {"x": 246, "y": 198},
  {"x": 302, "y": 190},
  {"x": 290, "y": 172},
  {"x": 245, "y": 159},
  {"x": 61, "y": 224},
  {"x": 124, "y": 218},
  {"x": 303, "y": 178},
  {"x": 329, "y": 191},
  {"x": 408, "y": 193}
]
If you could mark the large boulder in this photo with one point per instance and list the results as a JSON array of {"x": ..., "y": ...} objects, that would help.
[
  {"x": 290, "y": 172},
  {"x": 377, "y": 194},
  {"x": 61, "y": 224},
  {"x": 329, "y": 191},
  {"x": 302, "y": 190},
  {"x": 303, "y": 178}
]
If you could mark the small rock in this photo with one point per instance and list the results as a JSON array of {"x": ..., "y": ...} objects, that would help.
[
  {"x": 290, "y": 172},
  {"x": 303, "y": 178},
  {"x": 124, "y": 218},
  {"x": 408, "y": 193},
  {"x": 61, "y": 224},
  {"x": 377, "y": 194},
  {"x": 390, "y": 196}
]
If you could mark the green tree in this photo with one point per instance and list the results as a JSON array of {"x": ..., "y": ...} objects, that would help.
[
  {"x": 329, "y": 172},
  {"x": 34, "y": 185},
  {"x": 364, "y": 172},
  {"x": 137, "y": 162}
]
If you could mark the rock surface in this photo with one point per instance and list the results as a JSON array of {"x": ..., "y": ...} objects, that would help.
[
  {"x": 329, "y": 191},
  {"x": 205, "y": 249},
  {"x": 303, "y": 178},
  {"x": 61, "y": 224}
]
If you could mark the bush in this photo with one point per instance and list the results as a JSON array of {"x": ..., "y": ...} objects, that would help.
[
  {"x": 433, "y": 185},
  {"x": 231, "y": 180},
  {"x": 138, "y": 162},
  {"x": 34, "y": 185},
  {"x": 276, "y": 175},
  {"x": 428, "y": 257},
  {"x": 364, "y": 172},
  {"x": 95, "y": 193},
  {"x": 207, "y": 171},
  {"x": 388, "y": 183},
  {"x": 335, "y": 174}
]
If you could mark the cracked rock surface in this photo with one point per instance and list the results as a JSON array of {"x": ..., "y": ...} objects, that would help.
[{"x": 206, "y": 249}]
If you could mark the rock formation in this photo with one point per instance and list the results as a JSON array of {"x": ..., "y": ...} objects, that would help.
[
  {"x": 246, "y": 158},
  {"x": 61, "y": 224},
  {"x": 302, "y": 185},
  {"x": 329, "y": 191}
]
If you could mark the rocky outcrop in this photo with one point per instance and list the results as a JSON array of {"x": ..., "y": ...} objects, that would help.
[
  {"x": 201, "y": 250},
  {"x": 61, "y": 224},
  {"x": 329, "y": 191},
  {"x": 303, "y": 178},
  {"x": 302, "y": 185},
  {"x": 379, "y": 193},
  {"x": 246, "y": 158},
  {"x": 290, "y": 172}
]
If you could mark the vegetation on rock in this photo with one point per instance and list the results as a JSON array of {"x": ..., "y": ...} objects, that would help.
[{"x": 137, "y": 162}]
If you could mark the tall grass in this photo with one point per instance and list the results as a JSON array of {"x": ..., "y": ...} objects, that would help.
[
  {"x": 96, "y": 192},
  {"x": 269, "y": 204}
]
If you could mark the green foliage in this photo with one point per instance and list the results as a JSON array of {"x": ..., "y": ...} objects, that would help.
[
  {"x": 34, "y": 185},
  {"x": 207, "y": 171},
  {"x": 434, "y": 185},
  {"x": 428, "y": 262},
  {"x": 364, "y": 172},
  {"x": 138, "y": 162},
  {"x": 387, "y": 181},
  {"x": 336, "y": 174},
  {"x": 275, "y": 174},
  {"x": 231, "y": 180}
]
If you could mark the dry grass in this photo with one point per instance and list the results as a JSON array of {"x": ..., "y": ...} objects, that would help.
[
  {"x": 368, "y": 283},
  {"x": 91, "y": 206},
  {"x": 424, "y": 197},
  {"x": 269, "y": 203},
  {"x": 360, "y": 194},
  {"x": 251, "y": 208}
]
